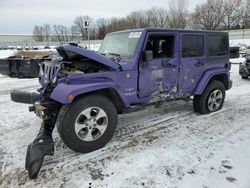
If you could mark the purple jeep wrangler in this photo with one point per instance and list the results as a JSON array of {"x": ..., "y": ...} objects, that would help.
[{"x": 82, "y": 91}]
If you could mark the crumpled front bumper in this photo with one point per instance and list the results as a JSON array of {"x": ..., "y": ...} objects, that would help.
[
  {"x": 24, "y": 97},
  {"x": 30, "y": 98}
]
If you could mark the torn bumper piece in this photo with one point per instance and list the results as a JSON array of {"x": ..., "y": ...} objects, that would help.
[
  {"x": 42, "y": 145},
  {"x": 24, "y": 97},
  {"x": 34, "y": 99}
]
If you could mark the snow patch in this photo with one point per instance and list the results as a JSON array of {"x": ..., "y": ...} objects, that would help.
[
  {"x": 7, "y": 53},
  {"x": 166, "y": 146},
  {"x": 237, "y": 60}
]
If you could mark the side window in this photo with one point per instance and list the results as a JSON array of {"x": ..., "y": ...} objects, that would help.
[
  {"x": 161, "y": 46},
  {"x": 192, "y": 45},
  {"x": 217, "y": 45}
]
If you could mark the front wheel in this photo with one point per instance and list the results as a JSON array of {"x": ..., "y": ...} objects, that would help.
[
  {"x": 88, "y": 123},
  {"x": 211, "y": 99}
]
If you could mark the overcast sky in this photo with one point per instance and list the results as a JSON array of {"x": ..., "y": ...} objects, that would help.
[{"x": 19, "y": 16}]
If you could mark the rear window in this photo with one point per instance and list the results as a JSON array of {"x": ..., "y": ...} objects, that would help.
[
  {"x": 192, "y": 46},
  {"x": 217, "y": 45}
]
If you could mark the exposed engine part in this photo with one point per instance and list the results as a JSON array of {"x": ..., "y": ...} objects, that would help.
[{"x": 81, "y": 67}]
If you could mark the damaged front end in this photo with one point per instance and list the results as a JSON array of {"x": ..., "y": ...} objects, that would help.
[
  {"x": 45, "y": 108},
  {"x": 71, "y": 61}
]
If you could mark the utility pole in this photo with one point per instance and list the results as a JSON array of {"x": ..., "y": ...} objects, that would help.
[{"x": 86, "y": 24}]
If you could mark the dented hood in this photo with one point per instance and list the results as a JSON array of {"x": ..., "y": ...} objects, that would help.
[{"x": 65, "y": 50}]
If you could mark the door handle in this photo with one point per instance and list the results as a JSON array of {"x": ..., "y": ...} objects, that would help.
[{"x": 166, "y": 64}]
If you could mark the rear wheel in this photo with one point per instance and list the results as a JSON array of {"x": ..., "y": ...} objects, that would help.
[
  {"x": 211, "y": 99},
  {"x": 88, "y": 123}
]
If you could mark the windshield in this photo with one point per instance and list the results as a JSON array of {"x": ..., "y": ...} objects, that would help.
[{"x": 120, "y": 44}]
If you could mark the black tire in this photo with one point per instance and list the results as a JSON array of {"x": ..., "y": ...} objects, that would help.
[
  {"x": 69, "y": 114},
  {"x": 200, "y": 102},
  {"x": 244, "y": 77}
]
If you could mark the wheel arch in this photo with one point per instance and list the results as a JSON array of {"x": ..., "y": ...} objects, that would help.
[
  {"x": 110, "y": 93},
  {"x": 66, "y": 93},
  {"x": 221, "y": 75},
  {"x": 223, "y": 78}
]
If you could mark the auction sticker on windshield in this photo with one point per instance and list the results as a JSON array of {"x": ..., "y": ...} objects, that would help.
[{"x": 134, "y": 35}]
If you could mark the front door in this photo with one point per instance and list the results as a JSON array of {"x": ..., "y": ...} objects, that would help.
[
  {"x": 192, "y": 62},
  {"x": 159, "y": 75}
]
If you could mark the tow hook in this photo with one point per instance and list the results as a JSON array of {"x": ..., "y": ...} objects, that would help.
[{"x": 38, "y": 109}]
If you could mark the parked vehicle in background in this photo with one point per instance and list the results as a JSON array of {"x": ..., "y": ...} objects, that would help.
[
  {"x": 84, "y": 91},
  {"x": 19, "y": 48},
  {"x": 234, "y": 52},
  {"x": 4, "y": 47},
  {"x": 248, "y": 51},
  {"x": 244, "y": 69},
  {"x": 47, "y": 47}
]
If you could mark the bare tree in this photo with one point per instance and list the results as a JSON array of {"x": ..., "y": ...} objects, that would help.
[
  {"x": 178, "y": 14},
  {"x": 246, "y": 15},
  {"x": 132, "y": 19},
  {"x": 74, "y": 35},
  {"x": 138, "y": 19},
  {"x": 61, "y": 33},
  {"x": 209, "y": 15},
  {"x": 38, "y": 33},
  {"x": 116, "y": 24},
  {"x": 102, "y": 27},
  {"x": 157, "y": 17},
  {"x": 233, "y": 13},
  {"x": 80, "y": 27},
  {"x": 47, "y": 31}
]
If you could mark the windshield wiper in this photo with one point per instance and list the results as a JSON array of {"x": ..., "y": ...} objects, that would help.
[
  {"x": 117, "y": 56},
  {"x": 114, "y": 54}
]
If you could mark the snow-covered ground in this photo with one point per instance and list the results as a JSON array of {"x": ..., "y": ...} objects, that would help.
[
  {"x": 237, "y": 60},
  {"x": 166, "y": 146},
  {"x": 7, "y": 53}
]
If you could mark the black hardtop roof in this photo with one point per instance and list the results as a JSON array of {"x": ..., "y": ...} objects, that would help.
[{"x": 172, "y": 30}]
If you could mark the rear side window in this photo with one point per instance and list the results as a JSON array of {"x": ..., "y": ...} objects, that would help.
[
  {"x": 192, "y": 45},
  {"x": 217, "y": 45}
]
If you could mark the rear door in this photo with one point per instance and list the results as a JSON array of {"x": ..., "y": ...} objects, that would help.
[{"x": 192, "y": 62}]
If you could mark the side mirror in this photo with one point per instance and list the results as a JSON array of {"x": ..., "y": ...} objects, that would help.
[{"x": 147, "y": 55}]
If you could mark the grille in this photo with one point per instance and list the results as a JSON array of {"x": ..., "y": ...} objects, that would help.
[{"x": 47, "y": 71}]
